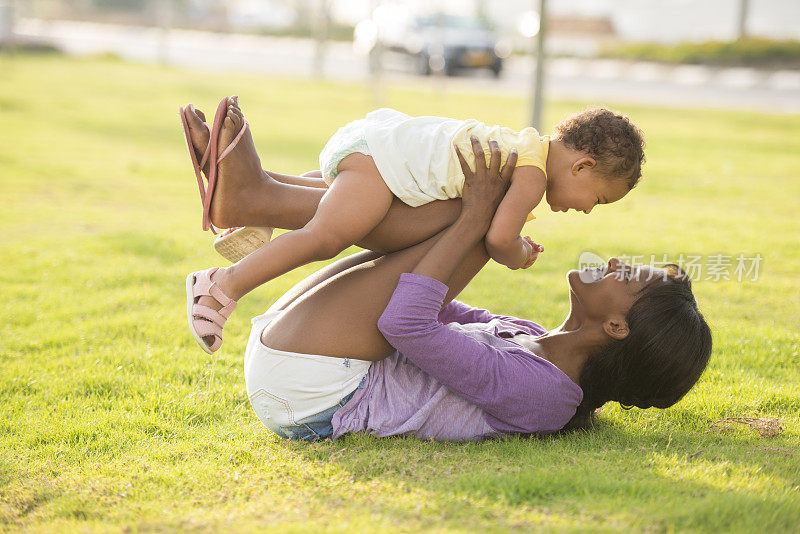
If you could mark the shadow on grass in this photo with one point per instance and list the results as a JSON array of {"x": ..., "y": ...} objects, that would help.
[{"x": 682, "y": 479}]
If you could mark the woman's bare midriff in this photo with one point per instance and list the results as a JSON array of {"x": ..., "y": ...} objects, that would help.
[{"x": 337, "y": 318}]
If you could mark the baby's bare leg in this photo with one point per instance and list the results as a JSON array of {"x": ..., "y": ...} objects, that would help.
[{"x": 355, "y": 203}]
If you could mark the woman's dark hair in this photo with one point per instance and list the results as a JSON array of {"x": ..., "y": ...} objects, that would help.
[{"x": 664, "y": 354}]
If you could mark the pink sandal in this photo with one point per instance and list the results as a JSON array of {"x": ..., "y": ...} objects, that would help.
[
  {"x": 203, "y": 320},
  {"x": 212, "y": 153},
  {"x": 239, "y": 242}
]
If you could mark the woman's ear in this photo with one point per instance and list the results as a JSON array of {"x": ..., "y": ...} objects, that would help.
[
  {"x": 583, "y": 163},
  {"x": 616, "y": 328}
]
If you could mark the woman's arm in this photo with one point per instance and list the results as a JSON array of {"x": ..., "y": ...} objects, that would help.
[
  {"x": 515, "y": 390},
  {"x": 456, "y": 311},
  {"x": 503, "y": 241},
  {"x": 483, "y": 191},
  {"x": 518, "y": 392}
]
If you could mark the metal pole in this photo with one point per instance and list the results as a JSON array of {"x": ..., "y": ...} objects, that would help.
[
  {"x": 165, "y": 14},
  {"x": 480, "y": 9},
  {"x": 321, "y": 27},
  {"x": 536, "y": 115},
  {"x": 438, "y": 58},
  {"x": 7, "y": 20},
  {"x": 375, "y": 61},
  {"x": 743, "y": 9}
]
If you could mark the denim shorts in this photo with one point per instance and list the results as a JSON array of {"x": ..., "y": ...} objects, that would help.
[
  {"x": 317, "y": 426},
  {"x": 295, "y": 395}
]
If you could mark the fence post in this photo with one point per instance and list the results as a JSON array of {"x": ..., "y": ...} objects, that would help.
[
  {"x": 538, "y": 84},
  {"x": 7, "y": 14}
]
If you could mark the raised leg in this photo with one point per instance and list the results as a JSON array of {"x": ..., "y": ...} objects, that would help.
[
  {"x": 265, "y": 198},
  {"x": 244, "y": 193},
  {"x": 313, "y": 280},
  {"x": 356, "y": 202},
  {"x": 338, "y": 316},
  {"x": 405, "y": 226}
]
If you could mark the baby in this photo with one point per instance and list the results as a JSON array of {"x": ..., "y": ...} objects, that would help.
[{"x": 593, "y": 157}]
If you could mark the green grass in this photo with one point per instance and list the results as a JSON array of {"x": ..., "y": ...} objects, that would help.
[
  {"x": 111, "y": 418},
  {"x": 751, "y": 51}
]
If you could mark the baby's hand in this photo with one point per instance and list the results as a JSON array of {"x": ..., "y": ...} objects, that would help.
[{"x": 533, "y": 251}]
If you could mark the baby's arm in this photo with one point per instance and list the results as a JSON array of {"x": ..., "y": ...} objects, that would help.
[{"x": 503, "y": 241}]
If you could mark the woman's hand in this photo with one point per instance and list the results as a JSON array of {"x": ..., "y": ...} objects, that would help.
[{"x": 484, "y": 188}]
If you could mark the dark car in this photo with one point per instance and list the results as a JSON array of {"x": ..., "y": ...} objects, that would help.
[{"x": 447, "y": 43}]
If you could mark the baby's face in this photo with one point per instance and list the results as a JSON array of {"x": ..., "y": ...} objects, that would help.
[{"x": 583, "y": 190}]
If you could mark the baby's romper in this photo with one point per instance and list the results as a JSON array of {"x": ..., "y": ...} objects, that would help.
[{"x": 415, "y": 155}]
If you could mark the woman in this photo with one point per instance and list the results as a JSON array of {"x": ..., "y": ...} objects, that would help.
[
  {"x": 634, "y": 336},
  {"x": 365, "y": 345}
]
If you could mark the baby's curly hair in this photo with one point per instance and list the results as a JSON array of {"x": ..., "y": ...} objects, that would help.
[{"x": 611, "y": 138}]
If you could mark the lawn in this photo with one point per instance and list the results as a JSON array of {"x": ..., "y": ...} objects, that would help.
[{"x": 112, "y": 419}]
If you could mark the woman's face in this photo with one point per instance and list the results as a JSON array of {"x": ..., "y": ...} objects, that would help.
[{"x": 608, "y": 292}]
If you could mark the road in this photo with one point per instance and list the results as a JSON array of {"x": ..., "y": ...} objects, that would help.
[{"x": 586, "y": 79}]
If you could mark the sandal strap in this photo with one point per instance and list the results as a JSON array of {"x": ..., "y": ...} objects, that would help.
[
  {"x": 214, "y": 347},
  {"x": 193, "y": 154},
  {"x": 207, "y": 328},
  {"x": 228, "y": 304},
  {"x": 206, "y": 152},
  {"x": 201, "y": 311},
  {"x": 216, "y": 158},
  {"x": 207, "y": 186},
  {"x": 234, "y": 142},
  {"x": 204, "y": 287}
]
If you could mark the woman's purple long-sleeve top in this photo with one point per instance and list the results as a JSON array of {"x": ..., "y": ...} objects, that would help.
[{"x": 458, "y": 364}]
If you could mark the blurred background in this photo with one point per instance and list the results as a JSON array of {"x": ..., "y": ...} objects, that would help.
[{"x": 717, "y": 53}]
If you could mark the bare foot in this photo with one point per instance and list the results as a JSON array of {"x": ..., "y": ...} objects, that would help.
[{"x": 239, "y": 171}]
